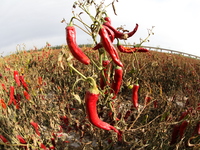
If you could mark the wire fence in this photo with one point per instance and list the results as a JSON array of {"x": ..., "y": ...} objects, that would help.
[{"x": 171, "y": 51}]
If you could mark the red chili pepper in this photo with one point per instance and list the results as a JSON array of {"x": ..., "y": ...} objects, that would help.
[
  {"x": 135, "y": 94},
  {"x": 42, "y": 146},
  {"x": 73, "y": 47},
  {"x": 91, "y": 99},
  {"x": 4, "y": 87},
  {"x": 3, "y": 104},
  {"x": 36, "y": 127},
  {"x": 16, "y": 77},
  {"x": 111, "y": 35},
  {"x": 175, "y": 134},
  {"x": 24, "y": 84},
  {"x": 3, "y": 139},
  {"x": 116, "y": 84},
  {"x": 12, "y": 98},
  {"x": 107, "y": 19},
  {"x": 124, "y": 49},
  {"x": 133, "y": 32},
  {"x": 21, "y": 139},
  {"x": 26, "y": 95},
  {"x": 109, "y": 47},
  {"x": 182, "y": 129},
  {"x": 119, "y": 34},
  {"x": 40, "y": 80},
  {"x": 147, "y": 99},
  {"x": 104, "y": 80}
]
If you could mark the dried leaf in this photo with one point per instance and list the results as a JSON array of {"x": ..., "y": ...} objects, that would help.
[{"x": 77, "y": 97}]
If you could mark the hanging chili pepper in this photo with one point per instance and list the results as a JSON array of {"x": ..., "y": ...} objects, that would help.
[
  {"x": 24, "y": 84},
  {"x": 107, "y": 19},
  {"x": 124, "y": 49},
  {"x": 91, "y": 99},
  {"x": 175, "y": 134},
  {"x": 116, "y": 84},
  {"x": 73, "y": 47},
  {"x": 119, "y": 34},
  {"x": 135, "y": 94},
  {"x": 182, "y": 128},
  {"x": 26, "y": 95},
  {"x": 36, "y": 127},
  {"x": 111, "y": 35},
  {"x": 109, "y": 47},
  {"x": 130, "y": 34},
  {"x": 104, "y": 79},
  {"x": 16, "y": 77}
]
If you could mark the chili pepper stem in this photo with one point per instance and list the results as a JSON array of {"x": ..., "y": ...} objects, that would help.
[
  {"x": 84, "y": 77},
  {"x": 94, "y": 88}
]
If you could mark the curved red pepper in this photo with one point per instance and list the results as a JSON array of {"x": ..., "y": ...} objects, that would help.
[
  {"x": 91, "y": 99},
  {"x": 118, "y": 34},
  {"x": 117, "y": 80},
  {"x": 133, "y": 32},
  {"x": 75, "y": 50},
  {"x": 135, "y": 94},
  {"x": 16, "y": 77},
  {"x": 109, "y": 47}
]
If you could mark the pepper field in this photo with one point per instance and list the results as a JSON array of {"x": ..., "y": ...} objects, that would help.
[{"x": 57, "y": 106}]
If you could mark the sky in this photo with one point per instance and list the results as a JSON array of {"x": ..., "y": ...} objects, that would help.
[{"x": 31, "y": 23}]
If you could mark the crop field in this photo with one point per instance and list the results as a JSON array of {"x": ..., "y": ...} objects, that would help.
[{"x": 47, "y": 107}]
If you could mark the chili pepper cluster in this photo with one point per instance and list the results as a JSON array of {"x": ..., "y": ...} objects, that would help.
[{"x": 107, "y": 36}]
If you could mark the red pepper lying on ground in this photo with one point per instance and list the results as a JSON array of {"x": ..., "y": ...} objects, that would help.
[
  {"x": 75, "y": 50},
  {"x": 91, "y": 99},
  {"x": 109, "y": 47}
]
